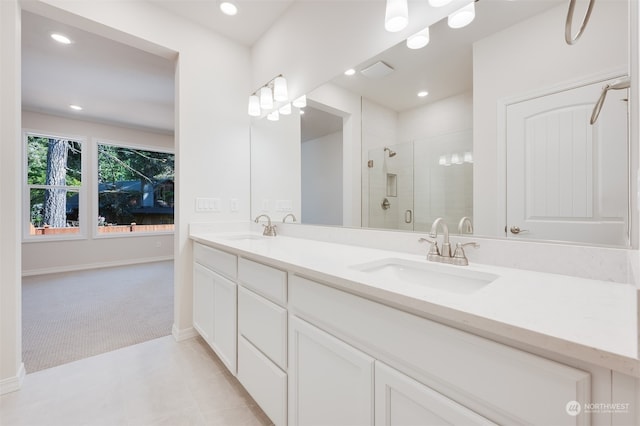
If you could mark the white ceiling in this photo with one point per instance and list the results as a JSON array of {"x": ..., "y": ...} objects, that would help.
[{"x": 119, "y": 84}]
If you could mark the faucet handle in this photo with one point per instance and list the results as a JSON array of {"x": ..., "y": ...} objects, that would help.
[
  {"x": 269, "y": 230},
  {"x": 434, "y": 251},
  {"x": 459, "y": 256}
]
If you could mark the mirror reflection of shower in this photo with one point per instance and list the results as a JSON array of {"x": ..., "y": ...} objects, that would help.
[{"x": 390, "y": 152}]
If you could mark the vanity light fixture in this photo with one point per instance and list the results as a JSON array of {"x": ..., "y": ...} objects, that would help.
[
  {"x": 285, "y": 109},
  {"x": 301, "y": 102},
  {"x": 228, "y": 8},
  {"x": 423, "y": 94},
  {"x": 75, "y": 107},
  {"x": 463, "y": 16},
  {"x": 350, "y": 72},
  {"x": 456, "y": 159},
  {"x": 419, "y": 39},
  {"x": 439, "y": 3},
  {"x": 60, "y": 38},
  {"x": 468, "y": 157},
  {"x": 444, "y": 161},
  {"x": 280, "y": 93},
  {"x": 266, "y": 98},
  {"x": 396, "y": 15},
  {"x": 254, "y": 106},
  {"x": 273, "y": 116}
]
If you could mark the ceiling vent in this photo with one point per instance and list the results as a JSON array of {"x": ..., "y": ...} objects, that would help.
[{"x": 377, "y": 70}]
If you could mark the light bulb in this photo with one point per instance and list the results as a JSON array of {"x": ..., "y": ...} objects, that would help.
[
  {"x": 280, "y": 93},
  {"x": 301, "y": 102},
  {"x": 285, "y": 109},
  {"x": 396, "y": 16},
  {"x": 266, "y": 98},
  {"x": 254, "y": 106},
  {"x": 439, "y": 3},
  {"x": 273, "y": 116},
  {"x": 419, "y": 39},
  {"x": 462, "y": 17},
  {"x": 455, "y": 159}
]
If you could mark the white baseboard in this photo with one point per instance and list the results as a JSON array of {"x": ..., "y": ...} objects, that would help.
[
  {"x": 86, "y": 266},
  {"x": 184, "y": 334},
  {"x": 13, "y": 384}
]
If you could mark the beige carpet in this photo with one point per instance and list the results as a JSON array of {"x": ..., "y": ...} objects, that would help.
[{"x": 70, "y": 316}]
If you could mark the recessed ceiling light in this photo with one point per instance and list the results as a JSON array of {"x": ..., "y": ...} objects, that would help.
[
  {"x": 75, "y": 107},
  {"x": 301, "y": 112},
  {"x": 61, "y": 38},
  {"x": 423, "y": 93},
  {"x": 228, "y": 8},
  {"x": 350, "y": 72}
]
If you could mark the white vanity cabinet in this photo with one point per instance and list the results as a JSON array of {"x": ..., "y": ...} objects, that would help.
[
  {"x": 215, "y": 301},
  {"x": 330, "y": 382},
  {"x": 262, "y": 336}
]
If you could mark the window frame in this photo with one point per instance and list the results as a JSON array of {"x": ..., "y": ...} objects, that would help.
[
  {"x": 27, "y": 237},
  {"x": 95, "y": 182}
]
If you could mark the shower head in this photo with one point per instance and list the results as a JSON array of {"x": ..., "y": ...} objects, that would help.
[{"x": 391, "y": 153}]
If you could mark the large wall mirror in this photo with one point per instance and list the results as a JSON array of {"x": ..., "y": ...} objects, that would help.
[{"x": 502, "y": 145}]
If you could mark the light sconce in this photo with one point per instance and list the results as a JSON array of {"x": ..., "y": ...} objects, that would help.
[
  {"x": 301, "y": 102},
  {"x": 444, "y": 161},
  {"x": 396, "y": 16},
  {"x": 419, "y": 39},
  {"x": 468, "y": 157},
  {"x": 439, "y": 3},
  {"x": 462, "y": 17},
  {"x": 455, "y": 159},
  {"x": 262, "y": 100}
]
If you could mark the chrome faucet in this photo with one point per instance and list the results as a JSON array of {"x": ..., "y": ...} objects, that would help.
[
  {"x": 291, "y": 215},
  {"x": 444, "y": 256},
  {"x": 269, "y": 229}
]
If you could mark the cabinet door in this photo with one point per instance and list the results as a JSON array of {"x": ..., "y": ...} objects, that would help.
[
  {"x": 330, "y": 382},
  {"x": 400, "y": 400},
  {"x": 225, "y": 302},
  {"x": 214, "y": 313},
  {"x": 203, "y": 302}
]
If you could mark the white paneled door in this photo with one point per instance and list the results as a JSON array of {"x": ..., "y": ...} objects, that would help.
[{"x": 568, "y": 180}]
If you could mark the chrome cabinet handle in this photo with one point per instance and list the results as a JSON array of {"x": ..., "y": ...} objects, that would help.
[{"x": 516, "y": 230}]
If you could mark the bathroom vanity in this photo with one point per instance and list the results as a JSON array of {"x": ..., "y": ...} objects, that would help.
[{"x": 326, "y": 333}]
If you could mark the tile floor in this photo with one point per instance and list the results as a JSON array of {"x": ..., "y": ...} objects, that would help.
[{"x": 159, "y": 382}]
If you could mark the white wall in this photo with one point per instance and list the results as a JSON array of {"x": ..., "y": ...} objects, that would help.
[
  {"x": 526, "y": 57},
  {"x": 212, "y": 134},
  {"x": 322, "y": 180},
  {"x": 11, "y": 367},
  {"x": 55, "y": 256},
  {"x": 447, "y": 115},
  {"x": 275, "y": 166}
]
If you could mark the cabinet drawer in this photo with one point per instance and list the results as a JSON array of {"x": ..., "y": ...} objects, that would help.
[
  {"x": 217, "y": 260},
  {"x": 264, "y": 280},
  {"x": 264, "y": 381},
  {"x": 264, "y": 324}
]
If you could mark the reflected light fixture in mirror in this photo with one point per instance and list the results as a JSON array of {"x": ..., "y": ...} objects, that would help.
[
  {"x": 60, "y": 38},
  {"x": 423, "y": 94},
  {"x": 419, "y": 39},
  {"x": 463, "y": 16},
  {"x": 273, "y": 116},
  {"x": 285, "y": 109},
  {"x": 396, "y": 16},
  {"x": 301, "y": 102},
  {"x": 439, "y": 3},
  {"x": 350, "y": 72}
]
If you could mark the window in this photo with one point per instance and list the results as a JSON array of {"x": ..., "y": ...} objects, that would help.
[
  {"x": 135, "y": 190},
  {"x": 54, "y": 183}
]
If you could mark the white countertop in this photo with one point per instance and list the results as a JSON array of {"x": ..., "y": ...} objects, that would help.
[{"x": 588, "y": 320}]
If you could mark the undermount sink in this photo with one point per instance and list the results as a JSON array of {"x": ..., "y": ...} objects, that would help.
[{"x": 452, "y": 279}]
